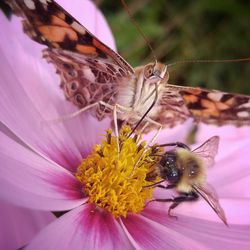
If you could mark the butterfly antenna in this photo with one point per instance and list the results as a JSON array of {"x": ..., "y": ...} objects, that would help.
[
  {"x": 139, "y": 29},
  {"x": 210, "y": 61}
]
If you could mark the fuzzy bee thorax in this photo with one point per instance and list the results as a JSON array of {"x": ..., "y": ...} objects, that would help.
[{"x": 192, "y": 169}]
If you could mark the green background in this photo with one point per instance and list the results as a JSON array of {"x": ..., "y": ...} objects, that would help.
[
  {"x": 187, "y": 30},
  {"x": 184, "y": 29}
]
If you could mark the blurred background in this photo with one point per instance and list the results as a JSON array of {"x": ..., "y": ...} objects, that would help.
[
  {"x": 182, "y": 29},
  {"x": 186, "y": 30}
]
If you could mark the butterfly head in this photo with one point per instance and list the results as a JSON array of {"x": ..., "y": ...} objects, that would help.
[{"x": 155, "y": 72}]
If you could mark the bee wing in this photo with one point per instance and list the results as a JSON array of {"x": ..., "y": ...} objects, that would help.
[
  {"x": 208, "y": 106},
  {"x": 208, "y": 150},
  {"x": 209, "y": 195}
]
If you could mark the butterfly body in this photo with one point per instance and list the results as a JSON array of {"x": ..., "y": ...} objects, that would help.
[
  {"x": 92, "y": 73},
  {"x": 138, "y": 94}
]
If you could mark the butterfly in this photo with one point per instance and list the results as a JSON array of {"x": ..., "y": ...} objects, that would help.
[{"x": 94, "y": 76}]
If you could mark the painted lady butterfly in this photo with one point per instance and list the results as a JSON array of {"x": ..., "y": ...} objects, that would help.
[{"x": 92, "y": 75}]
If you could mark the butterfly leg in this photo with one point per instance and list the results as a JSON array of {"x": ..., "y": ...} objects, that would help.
[
  {"x": 156, "y": 134},
  {"x": 74, "y": 114},
  {"x": 86, "y": 108},
  {"x": 146, "y": 146},
  {"x": 123, "y": 107},
  {"x": 136, "y": 116},
  {"x": 116, "y": 131},
  {"x": 128, "y": 110}
]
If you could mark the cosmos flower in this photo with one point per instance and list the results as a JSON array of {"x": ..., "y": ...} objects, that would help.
[
  {"x": 44, "y": 168},
  {"x": 19, "y": 225}
]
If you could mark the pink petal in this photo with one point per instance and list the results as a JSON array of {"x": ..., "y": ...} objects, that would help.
[
  {"x": 231, "y": 168},
  {"x": 85, "y": 227},
  {"x": 149, "y": 234},
  {"x": 237, "y": 188},
  {"x": 227, "y": 148},
  {"x": 37, "y": 100},
  {"x": 31, "y": 181},
  {"x": 19, "y": 225},
  {"x": 20, "y": 115},
  {"x": 237, "y": 210},
  {"x": 211, "y": 234}
]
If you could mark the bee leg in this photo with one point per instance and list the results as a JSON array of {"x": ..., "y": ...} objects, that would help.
[
  {"x": 161, "y": 186},
  {"x": 177, "y": 200},
  {"x": 160, "y": 200},
  {"x": 175, "y": 144},
  {"x": 167, "y": 187},
  {"x": 192, "y": 196},
  {"x": 186, "y": 197},
  {"x": 172, "y": 206}
]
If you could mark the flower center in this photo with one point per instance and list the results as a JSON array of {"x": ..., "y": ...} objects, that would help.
[{"x": 115, "y": 174}]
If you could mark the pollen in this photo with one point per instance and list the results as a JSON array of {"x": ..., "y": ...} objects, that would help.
[{"x": 115, "y": 174}]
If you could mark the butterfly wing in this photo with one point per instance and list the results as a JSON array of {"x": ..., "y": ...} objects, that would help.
[
  {"x": 97, "y": 70},
  {"x": 48, "y": 23},
  {"x": 85, "y": 80},
  {"x": 214, "y": 107},
  {"x": 89, "y": 70},
  {"x": 178, "y": 103}
]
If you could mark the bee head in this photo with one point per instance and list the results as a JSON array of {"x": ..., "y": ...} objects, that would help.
[{"x": 169, "y": 169}]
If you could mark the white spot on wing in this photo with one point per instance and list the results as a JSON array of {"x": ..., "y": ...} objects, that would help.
[
  {"x": 30, "y": 4},
  {"x": 245, "y": 105},
  {"x": 215, "y": 96},
  {"x": 78, "y": 28},
  {"x": 45, "y": 1},
  {"x": 88, "y": 74},
  {"x": 243, "y": 114}
]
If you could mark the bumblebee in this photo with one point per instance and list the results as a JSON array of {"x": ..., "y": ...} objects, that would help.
[{"x": 185, "y": 171}]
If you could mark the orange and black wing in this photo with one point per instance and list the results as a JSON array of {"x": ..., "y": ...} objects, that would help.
[
  {"x": 210, "y": 106},
  {"x": 89, "y": 70},
  {"x": 48, "y": 23}
]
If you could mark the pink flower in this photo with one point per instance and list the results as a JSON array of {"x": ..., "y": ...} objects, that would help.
[
  {"x": 19, "y": 225},
  {"x": 38, "y": 172}
]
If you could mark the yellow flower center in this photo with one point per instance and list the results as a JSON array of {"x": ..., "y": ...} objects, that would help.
[{"x": 116, "y": 174}]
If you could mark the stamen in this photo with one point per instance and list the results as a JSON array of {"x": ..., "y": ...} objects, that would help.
[{"x": 113, "y": 183}]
